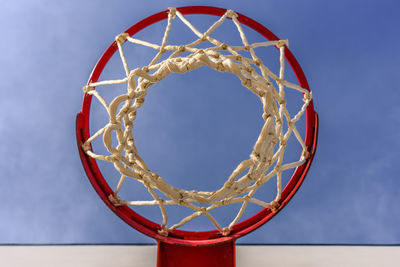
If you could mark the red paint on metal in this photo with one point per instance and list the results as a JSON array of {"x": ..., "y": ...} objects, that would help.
[{"x": 177, "y": 255}]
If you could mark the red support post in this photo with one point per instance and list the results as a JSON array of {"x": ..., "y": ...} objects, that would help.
[{"x": 214, "y": 255}]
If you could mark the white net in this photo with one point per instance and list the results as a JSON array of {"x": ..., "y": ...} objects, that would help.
[{"x": 266, "y": 158}]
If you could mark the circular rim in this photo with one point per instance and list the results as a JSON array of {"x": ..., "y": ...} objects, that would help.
[{"x": 181, "y": 236}]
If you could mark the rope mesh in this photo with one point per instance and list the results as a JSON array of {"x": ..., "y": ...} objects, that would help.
[{"x": 266, "y": 158}]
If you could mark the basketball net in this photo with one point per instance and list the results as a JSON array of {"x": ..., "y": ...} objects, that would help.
[{"x": 266, "y": 159}]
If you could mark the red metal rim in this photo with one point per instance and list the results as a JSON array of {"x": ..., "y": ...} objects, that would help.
[{"x": 180, "y": 236}]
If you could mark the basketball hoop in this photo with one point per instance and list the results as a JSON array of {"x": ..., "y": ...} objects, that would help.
[{"x": 178, "y": 247}]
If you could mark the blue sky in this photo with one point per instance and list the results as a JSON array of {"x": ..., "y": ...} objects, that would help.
[{"x": 347, "y": 49}]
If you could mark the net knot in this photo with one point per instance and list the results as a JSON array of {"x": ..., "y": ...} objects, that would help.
[
  {"x": 282, "y": 43},
  {"x": 131, "y": 116},
  {"x": 121, "y": 38},
  {"x": 156, "y": 176},
  {"x": 163, "y": 231},
  {"x": 140, "y": 100},
  {"x": 129, "y": 140},
  {"x": 86, "y": 146},
  {"x": 115, "y": 200},
  {"x": 230, "y": 13},
  {"x": 182, "y": 48},
  {"x": 131, "y": 157},
  {"x": 261, "y": 93},
  {"x": 274, "y": 140},
  {"x": 278, "y": 168},
  {"x": 172, "y": 12},
  {"x": 220, "y": 66},
  {"x": 249, "y": 69},
  {"x": 87, "y": 89},
  {"x": 266, "y": 116},
  {"x": 224, "y": 202},
  {"x": 247, "y": 83},
  {"x": 283, "y": 143},
  {"x": 255, "y": 156},
  {"x": 226, "y": 231},
  {"x": 214, "y": 54},
  {"x": 274, "y": 206},
  {"x": 250, "y": 177},
  {"x": 307, "y": 96}
]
